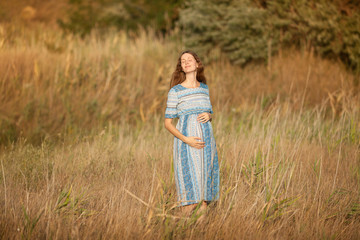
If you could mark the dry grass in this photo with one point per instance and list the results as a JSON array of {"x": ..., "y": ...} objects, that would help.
[
  {"x": 53, "y": 84},
  {"x": 283, "y": 176},
  {"x": 288, "y": 141}
]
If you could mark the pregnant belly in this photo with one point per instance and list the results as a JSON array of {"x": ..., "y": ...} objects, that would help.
[{"x": 189, "y": 126}]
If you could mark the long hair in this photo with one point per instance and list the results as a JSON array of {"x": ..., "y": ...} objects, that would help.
[{"x": 179, "y": 76}]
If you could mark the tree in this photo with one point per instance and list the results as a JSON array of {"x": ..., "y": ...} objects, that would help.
[{"x": 251, "y": 30}]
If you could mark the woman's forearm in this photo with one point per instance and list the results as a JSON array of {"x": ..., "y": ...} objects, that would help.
[{"x": 172, "y": 129}]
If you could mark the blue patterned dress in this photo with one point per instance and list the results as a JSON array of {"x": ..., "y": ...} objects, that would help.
[{"x": 196, "y": 170}]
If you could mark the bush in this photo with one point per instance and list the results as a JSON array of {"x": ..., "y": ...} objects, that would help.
[
  {"x": 84, "y": 15},
  {"x": 249, "y": 30}
]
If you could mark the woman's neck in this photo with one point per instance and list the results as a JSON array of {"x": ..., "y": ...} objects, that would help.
[{"x": 191, "y": 79}]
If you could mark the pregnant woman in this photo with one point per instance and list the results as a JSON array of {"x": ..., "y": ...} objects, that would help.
[{"x": 196, "y": 164}]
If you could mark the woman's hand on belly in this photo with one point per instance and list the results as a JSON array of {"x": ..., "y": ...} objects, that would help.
[
  {"x": 204, "y": 117},
  {"x": 193, "y": 142}
]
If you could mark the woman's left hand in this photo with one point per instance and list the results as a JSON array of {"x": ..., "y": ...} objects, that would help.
[{"x": 204, "y": 117}]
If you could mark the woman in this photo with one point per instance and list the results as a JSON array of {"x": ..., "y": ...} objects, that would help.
[{"x": 195, "y": 156}]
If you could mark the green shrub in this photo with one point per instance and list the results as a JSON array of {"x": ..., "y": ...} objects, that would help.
[{"x": 252, "y": 30}]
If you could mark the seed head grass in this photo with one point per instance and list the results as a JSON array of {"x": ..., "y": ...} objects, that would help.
[{"x": 85, "y": 154}]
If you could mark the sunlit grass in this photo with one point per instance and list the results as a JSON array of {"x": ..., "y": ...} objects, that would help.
[
  {"x": 85, "y": 155},
  {"x": 53, "y": 84},
  {"x": 281, "y": 177}
]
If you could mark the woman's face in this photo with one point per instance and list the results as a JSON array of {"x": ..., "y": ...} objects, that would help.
[{"x": 188, "y": 63}]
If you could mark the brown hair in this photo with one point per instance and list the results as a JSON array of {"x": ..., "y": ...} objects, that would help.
[{"x": 178, "y": 75}]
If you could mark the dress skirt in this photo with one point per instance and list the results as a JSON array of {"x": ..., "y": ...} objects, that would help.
[{"x": 196, "y": 170}]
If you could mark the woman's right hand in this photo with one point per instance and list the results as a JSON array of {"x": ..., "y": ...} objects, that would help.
[{"x": 193, "y": 142}]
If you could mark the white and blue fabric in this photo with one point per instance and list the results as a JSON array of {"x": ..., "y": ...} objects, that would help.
[{"x": 196, "y": 170}]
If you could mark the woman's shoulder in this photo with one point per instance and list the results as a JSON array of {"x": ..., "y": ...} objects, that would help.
[
  {"x": 204, "y": 85},
  {"x": 175, "y": 88}
]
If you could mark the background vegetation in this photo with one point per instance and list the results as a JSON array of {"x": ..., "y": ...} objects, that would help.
[
  {"x": 253, "y": 30},
  {"x": 81, "y": 116},
  {"x": 85, "y": 15}
]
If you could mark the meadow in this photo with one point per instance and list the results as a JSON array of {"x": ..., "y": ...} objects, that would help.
[{"x": 84, "y": 153}]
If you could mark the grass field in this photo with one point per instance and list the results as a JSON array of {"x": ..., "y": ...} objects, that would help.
[{"x": 84, "y": 154}]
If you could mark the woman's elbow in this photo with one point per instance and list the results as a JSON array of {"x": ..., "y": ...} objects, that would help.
[{"x": 167, "y": 123}]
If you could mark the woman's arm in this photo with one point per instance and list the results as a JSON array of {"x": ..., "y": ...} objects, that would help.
[
  {"x": 192, "y": 141},
  {"x": 172, "y": 129}
]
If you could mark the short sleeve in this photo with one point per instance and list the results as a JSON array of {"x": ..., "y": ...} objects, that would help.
[{"x": 171, "y": 105}]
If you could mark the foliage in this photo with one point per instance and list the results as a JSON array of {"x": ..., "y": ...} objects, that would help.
[
  {"x": 234, "y": 27},
  {"x": 85, "y": 15},
  {"x": 54, "y": 85},
  {"x": 249, "y": 30}
]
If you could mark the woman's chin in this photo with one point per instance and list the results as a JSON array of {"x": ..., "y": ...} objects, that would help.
[{"x": 189, "y": 70}]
